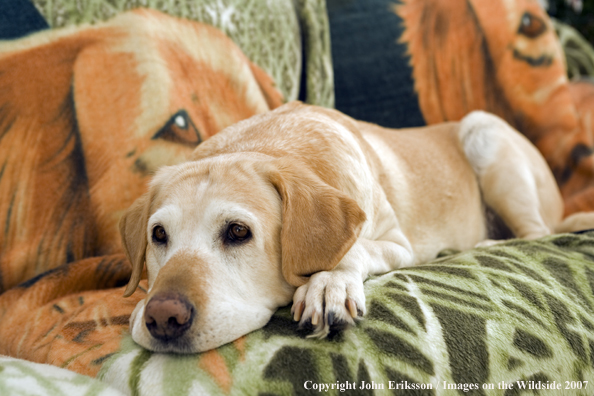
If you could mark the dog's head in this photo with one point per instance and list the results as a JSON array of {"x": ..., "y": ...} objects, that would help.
[{"x": 226, "y": 241}]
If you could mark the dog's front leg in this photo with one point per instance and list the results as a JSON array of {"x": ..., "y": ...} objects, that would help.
[{"x": 331, "y": 300}]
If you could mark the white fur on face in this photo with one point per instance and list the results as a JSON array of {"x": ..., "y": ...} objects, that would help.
[{"x": 234, "y": 287}]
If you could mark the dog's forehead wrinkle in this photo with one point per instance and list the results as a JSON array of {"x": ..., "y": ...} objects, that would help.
[
  {"x": 165, "y": 214},
  {"x": 236, "y": 168},
  {"x": 292, "y": 124},
  {"x": 276, "y": 134},
  {"x": 239, "y": 183},
  {"x": 184, "y": 173}
]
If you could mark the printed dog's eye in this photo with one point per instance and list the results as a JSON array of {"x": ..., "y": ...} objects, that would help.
[
  {"x": 238, "y": 233},
  {"x": 180, "y": 129},
  {"x": 159, "y": 235},
  {"x": 531, "y": 26}
]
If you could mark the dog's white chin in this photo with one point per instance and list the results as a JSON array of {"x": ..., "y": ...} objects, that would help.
[{"x": 196, "y": 341}]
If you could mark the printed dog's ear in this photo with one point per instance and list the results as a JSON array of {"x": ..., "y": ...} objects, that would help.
[
  {"x": 133, "y": 233},
  {"x": 272, "y": 95},
  {"x": 42, "y": 159},
  {"x": 319, "y": 223}
]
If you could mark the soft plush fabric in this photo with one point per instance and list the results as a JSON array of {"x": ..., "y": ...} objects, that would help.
[
  {"x": 520, "y": 311},
  {"x": 73, "y": 316},
  {"x": 579, "y": 53},
  {"x": 19, "y": 18},
  {"x": 370, "y": 61},
  {"x": 269, "y": 32},
  {"x": 90, "y": 113},
  {"x": 443, "y": 59},
  {"x": 23, "y": 378}
]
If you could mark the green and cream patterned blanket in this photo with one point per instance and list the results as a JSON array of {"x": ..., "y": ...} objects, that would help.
[
  {"x": 512, "y": 319},
  {"x": 22, "y": 378}
]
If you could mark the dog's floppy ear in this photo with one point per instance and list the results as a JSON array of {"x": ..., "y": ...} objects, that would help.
[
  {"x": 272, "y": 95},
  {"x": 447, "y": 51},
  {"x": 133, "y": 233},
  {"x": 319, "y": 223}
]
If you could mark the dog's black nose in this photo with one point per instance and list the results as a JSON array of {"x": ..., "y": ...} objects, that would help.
[{"x": 168, "y": 315}]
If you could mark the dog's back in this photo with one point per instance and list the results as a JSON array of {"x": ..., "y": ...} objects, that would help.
[
  {"x": 429, "y": 164},
  {"x": 402, "y": 165}
]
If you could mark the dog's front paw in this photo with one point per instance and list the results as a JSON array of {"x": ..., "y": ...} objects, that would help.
[{"x": 329, "y": 302}]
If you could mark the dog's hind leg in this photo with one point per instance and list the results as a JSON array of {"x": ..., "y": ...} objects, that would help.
[{"x": 514, "y": 178}]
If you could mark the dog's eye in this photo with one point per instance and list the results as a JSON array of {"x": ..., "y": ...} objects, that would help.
[
  {"x": 531, "y": 26},
  {"x": 238, "y": 233},
  {"x": 180, "y": 129},
  {"x": 159, "y": 235}
]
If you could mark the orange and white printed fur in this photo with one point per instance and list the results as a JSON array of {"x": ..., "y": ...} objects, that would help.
[
  {"x": 504, "y": 57},
  {"x": 302, "y": 204},
  {"x": 87, "y": 116}
]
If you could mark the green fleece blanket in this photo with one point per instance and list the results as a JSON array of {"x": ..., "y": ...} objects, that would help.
[
  {"x": 513, "y": 319},
  {"x": 22, "y": 378}
]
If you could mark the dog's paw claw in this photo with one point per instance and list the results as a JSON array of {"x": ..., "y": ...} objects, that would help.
[
  {"x": 315, "y": 319},
  {"x": 352, "y": 307},
  {"x": 328, "y": 303},
  {"x": 297, "y": 310}
]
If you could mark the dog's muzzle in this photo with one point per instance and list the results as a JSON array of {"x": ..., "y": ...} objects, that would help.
[{"x": 168, "y": 315}]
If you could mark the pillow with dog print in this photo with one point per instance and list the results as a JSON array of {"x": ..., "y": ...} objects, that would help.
[{"x": 417, "y": 62}]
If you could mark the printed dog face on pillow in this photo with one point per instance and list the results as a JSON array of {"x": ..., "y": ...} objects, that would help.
[
  {"x": 497, "y": 55},
  {"x": 88, "y": 113},
  {"x": 504, "y": 57}
]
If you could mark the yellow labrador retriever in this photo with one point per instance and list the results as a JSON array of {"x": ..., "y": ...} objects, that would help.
[{"x": 304, "y": 203}]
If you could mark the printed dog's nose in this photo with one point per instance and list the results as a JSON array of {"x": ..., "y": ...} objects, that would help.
[{"x": 168, "y": 315}]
